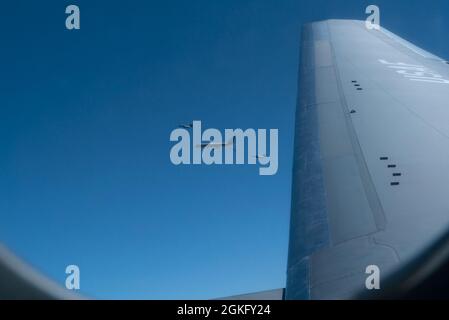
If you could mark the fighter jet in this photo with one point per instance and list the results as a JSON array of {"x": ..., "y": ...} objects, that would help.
[
  {"x": 258, "y": 157},
  {"x": 216, "y": 144},
  {"x": 186, "y": 126}
]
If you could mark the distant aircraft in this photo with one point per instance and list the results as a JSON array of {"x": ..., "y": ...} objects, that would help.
[
  {"x": 216, "y": 144},
  {"x": 186, "y": 126}
]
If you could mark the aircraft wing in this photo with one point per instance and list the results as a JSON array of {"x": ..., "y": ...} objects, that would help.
[{"x": 371, "y": 158}]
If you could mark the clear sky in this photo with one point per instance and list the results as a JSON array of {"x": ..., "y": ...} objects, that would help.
[{"x": 85, "y": 120}]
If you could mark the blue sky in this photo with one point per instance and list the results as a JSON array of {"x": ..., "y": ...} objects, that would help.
[{"x": 85, "y": 119}]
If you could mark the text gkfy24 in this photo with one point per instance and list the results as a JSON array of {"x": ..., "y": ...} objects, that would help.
[{"x": 209, "y": 147}]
